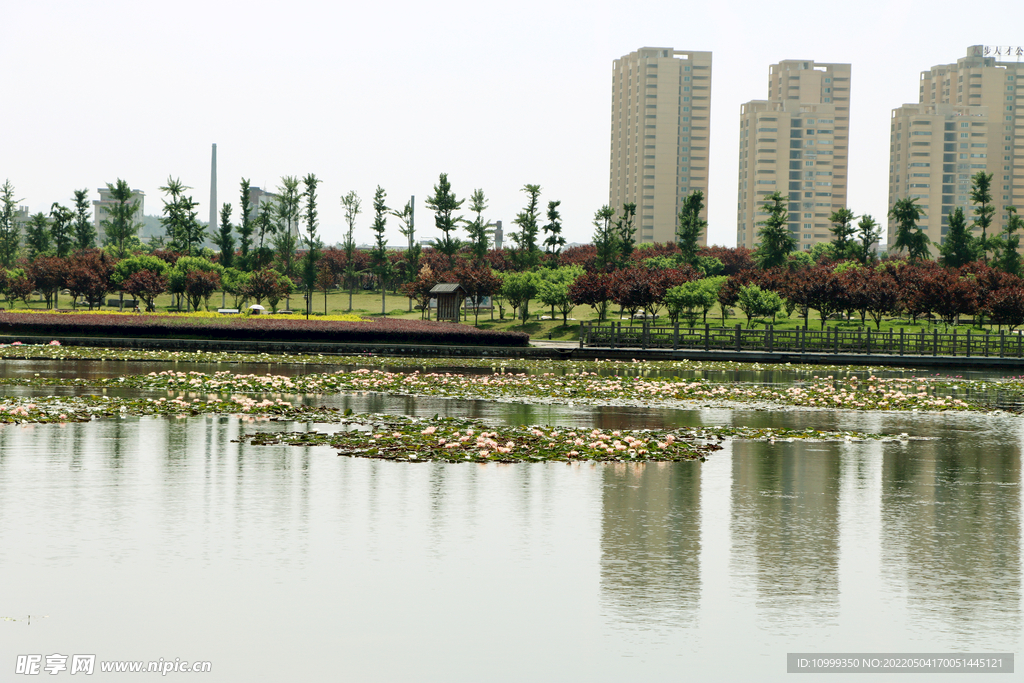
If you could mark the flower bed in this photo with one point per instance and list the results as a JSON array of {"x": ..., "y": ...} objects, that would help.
[{"x": 255, "y": 328}]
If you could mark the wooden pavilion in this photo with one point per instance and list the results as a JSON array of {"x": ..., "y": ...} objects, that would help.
[{"x": 449, "y": 297}]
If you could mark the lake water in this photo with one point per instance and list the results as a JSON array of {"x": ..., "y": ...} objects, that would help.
[{"x": 140, "y": 539}]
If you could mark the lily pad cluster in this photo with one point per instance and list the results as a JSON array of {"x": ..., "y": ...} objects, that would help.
[
  {"x": 459, "y": 440},
  {"x": 53, "y": 350}
]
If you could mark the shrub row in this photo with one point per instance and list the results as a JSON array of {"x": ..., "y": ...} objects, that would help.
[{"x": 379, "y": 331}]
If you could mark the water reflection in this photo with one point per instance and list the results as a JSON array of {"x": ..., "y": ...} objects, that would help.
[
  {"x": 785, "y": 531},
  {"x": 951, "y": 513},
  {"x": 263, "y": 558},
  {"x": 650, "y": 542}
]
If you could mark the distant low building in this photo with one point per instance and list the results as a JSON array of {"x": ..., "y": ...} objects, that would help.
[
  {"x": 257, "y": 198},
  {"x": 101, "y": 211}
]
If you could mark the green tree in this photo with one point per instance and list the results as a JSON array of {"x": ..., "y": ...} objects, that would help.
[
  {"x": 1009, "y": 256},
  {"x": 776, "y": 240},
  {"x": 625, "y": 231},
  {"x": 526, "y": 255},
  {"x": 178, "y": 278},
  {"x": 606, "y": 240},
  {"x": 288, "y": 204},
  {"x": 690, "y": 226},
  {"x": 553, "y": 289},
  {"x": 694, "y": 299},
  {"x": 37, "y": 235},
  {"x": 85, "y": 230},
  {"x": 266, "y": 226},
  {"x": 61, "y": 228},
  {"x": 479, "y": 241},
  {"x": 412, "y": 252},
  {"x": 380, "y": 264},
  {"x": 193, "y": 232},
  {"x": 121, "y": 277},
  {"x": 10, "y": 230},
  {"x": 173, "y": 220},
  {"x": 286, "y": 237},
  {"x": 844, "y": 246},
  {"x": 758, "y": 303},
  {"x": 286, "y": 214},
  {"x": 981, "y": 197},
  {"x": 234, "y": 282},
  {"x": 959, "y": 247},
  {"x": 311, "y": 239},
  {"x": 909, "y": 236},
  {"x": 224, "y": 240},
  {"x": 121, "y": 225},
  {"x": 868, "y": 235},
  {"x": 352, "y": 205},
  {"x": 444, "y": 204},
  {"x": 245, "y": 225},
  {"x": 554, "y": 242},
  {"x": 518, "y": 288}
]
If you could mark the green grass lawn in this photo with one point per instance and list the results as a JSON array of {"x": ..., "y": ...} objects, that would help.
[{"x": 369, "y": 304}]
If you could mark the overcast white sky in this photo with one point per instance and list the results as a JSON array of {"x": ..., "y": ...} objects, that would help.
[{"x": 394, "y": 93}]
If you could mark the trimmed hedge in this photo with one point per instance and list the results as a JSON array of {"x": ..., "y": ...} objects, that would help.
[{"x": 376, "y": 331}]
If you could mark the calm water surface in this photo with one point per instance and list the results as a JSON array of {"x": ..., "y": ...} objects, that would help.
[{"x": 148, "y": 538}]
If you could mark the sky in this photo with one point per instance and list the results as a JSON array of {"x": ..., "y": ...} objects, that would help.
[{"x": 496, "y": 95}]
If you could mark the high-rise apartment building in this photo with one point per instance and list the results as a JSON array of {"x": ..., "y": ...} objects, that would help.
[
  {"x": 968, "y": 119},
  {"x": 661, "y": 125},
  {"x": 797, "y": 143}
]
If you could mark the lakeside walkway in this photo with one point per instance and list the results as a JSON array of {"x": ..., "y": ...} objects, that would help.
[{"x": 539, "y": 349}]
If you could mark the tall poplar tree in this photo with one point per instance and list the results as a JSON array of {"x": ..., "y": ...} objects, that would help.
[
  {"x": 413, "y": 250},
  {"x": 909, "y": 236},
  {"x": 311, "y": 239},
  {"x": 690, "y": 226},
  {"x": 959, "y": 247},
  {"x": 121, "y": 225},
  {"x": 224, "y": 240},
  {"x": 10, "y": 230},
  {"x": 478, "y": 227},
  {"x": 175, "y": 213},
  {"x": 37, "y": 235},
  {"x": 84, "y": 229},
  {"x": 245, "y": 225},
  {"x": 352, "y": 205},
  {"x": 981, "y": 197},
  {"x": 379, "y": 256},
  {"x": 526, "y": 255},
  {"x": 61, "y": 229},
  {"x": 625, "y": 229},
  {"x": 776, "y": 242},
  {"x": 606, "y": 239},
  {"x": 444, "y": 204},
  {"x": 554, "y": 242},
  {"x": 1009, "y": 256},
  {"x": 868, "y": 235},
  {"x": 842, "y": 230}
]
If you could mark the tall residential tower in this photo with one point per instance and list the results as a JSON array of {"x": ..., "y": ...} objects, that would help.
[
  {"x": 968, "y": 119},
  {"x": 796, "y": 142},
  {"x": 661, "y": 125}
]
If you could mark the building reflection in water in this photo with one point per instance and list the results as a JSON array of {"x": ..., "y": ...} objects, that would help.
[
  {"x": 650, "y": 542},
  {"x": 950, "y": 540},
  {"x": 785, "y": 531}
]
